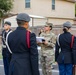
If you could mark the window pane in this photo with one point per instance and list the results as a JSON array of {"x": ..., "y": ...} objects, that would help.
[
  {"x": 53, "y": 1},
  {"x": 27, "y": 0},
  {"x": 53, "y": 4},
  {"x": 53, "y": 7},
  {"x": 27, "y": 3}
]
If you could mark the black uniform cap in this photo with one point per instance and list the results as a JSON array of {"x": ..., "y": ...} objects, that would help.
[{"x": 8, "y": 23}]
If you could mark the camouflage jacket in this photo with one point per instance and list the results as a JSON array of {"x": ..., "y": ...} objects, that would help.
[{"x": 51, "y": 39}]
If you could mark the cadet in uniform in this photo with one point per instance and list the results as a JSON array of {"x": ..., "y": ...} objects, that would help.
[
  {"x": 47, "y": 49},
  {"x": 64, "y": 56},
  {"x": 24, "y": 59},
  {"x": 5, "y": 52}
]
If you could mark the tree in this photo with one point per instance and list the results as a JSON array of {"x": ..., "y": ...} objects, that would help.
[
  {"x": 5, "y": 7},
  {"x": 75, "y": 9}
]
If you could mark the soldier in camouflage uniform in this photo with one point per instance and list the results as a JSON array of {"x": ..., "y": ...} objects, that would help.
[{"x": 47, "y": 49}]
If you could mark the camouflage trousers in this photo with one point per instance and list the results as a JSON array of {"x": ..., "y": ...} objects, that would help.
[{"x": 46, "y": 62}]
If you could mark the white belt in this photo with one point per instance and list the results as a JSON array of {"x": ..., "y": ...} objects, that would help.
[{"x": 4, "y": 46}]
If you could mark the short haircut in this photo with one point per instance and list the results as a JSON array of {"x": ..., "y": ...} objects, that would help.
[
  {"x": 20, "y": 22},
  {"x": 51, "y": 27}
]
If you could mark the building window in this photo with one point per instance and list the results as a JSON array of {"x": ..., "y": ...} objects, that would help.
[
  {"x": 53, "y": 4},
  {"x": 27, "y": 3}
]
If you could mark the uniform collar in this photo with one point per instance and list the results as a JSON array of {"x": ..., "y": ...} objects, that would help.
[
  {"x": 7, "y": 31},
  {"x": 51, "y": 31},
  {"x": 67, "y": 32},
  {"x": 21, "y": 28}
]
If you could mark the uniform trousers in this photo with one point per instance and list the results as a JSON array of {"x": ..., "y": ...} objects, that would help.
[
  {"x": 65, "y": 69},
  {"x": 46, "y": 62},
  {"x": 6, "y": 62}
]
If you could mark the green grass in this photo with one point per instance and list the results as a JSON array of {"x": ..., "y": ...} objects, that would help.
[
  {"x": 0, "y": 51},
  {"x": 0, "y": 56}
]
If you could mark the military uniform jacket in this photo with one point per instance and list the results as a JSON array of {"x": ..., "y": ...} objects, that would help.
[
  {"x": 51, "y": 40},
  {"x": 24, "y": 60},
  {"x": 63, "y": 53},
  {"x": 74, "y": 51},
  {"x": 5, "y": 51}
]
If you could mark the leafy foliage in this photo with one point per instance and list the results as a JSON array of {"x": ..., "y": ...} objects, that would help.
[
  {"x": 75, "y": 9},
  {"x": 5, "y": 7}
]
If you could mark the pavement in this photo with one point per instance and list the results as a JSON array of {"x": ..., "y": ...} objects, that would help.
[
  {"x": 1, "y": 68},
  {"x": 54, "y": 71}
]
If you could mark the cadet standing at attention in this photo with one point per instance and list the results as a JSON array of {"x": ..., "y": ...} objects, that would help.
[
  {"x": 47, "y": 49},
  {"x": 5, "y": 52},
  {"x": 24, "y": 54},
  {"x": 64, "y": 57}
]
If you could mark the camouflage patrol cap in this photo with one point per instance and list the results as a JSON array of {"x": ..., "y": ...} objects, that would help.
[
  {"x": 67, "y": 24},
  {"x": 49, "y": 24},
  {"x": 23, "y": 17}
]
